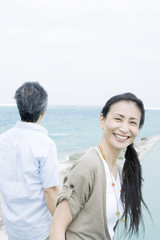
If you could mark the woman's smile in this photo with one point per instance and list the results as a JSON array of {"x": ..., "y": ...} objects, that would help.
[{"x": 121, "y": 138}]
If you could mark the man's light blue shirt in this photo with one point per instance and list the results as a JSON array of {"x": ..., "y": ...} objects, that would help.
[{"x": 28, "y": 165}]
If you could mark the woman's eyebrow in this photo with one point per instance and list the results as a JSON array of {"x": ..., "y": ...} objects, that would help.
[
  {"x": 132, "y": 118},
  {"x": 119, "y": 115}
]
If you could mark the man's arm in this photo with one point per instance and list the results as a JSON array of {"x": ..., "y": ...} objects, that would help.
[
  {"x": 51, "y": 196},
  {"x": 61, "y": 220}
]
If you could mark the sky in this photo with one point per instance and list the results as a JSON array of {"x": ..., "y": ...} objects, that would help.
[{"x": 81, "y": 52}]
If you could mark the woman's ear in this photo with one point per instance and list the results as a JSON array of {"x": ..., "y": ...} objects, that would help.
[{"x": 101, "y": 120}]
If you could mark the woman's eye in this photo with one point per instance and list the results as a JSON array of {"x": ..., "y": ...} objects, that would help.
[
  {"x": 133, "y": 123},
  {"x": 117, "y": 119}
]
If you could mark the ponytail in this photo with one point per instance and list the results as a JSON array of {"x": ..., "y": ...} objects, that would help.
[{"x": 131, "y": 193}]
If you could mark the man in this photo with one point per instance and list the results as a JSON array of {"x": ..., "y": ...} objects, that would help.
[{"x": 28, "y": 169}]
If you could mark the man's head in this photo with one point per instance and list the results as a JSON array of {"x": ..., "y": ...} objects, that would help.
[{"x": 31, "y": 99}]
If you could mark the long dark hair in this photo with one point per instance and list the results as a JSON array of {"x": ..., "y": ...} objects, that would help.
[{"x": 131, "y": 193}]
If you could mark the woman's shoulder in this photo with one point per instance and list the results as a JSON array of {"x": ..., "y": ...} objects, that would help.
[{"x": 90, "y": 159}]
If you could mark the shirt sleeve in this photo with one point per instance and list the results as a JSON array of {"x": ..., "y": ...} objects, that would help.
[
  {"x": 49, "y": 168},
  {"x": 77, "y": 187}
]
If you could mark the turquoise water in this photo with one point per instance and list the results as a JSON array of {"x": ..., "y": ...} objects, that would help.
[{"x": 76, "y": 128}]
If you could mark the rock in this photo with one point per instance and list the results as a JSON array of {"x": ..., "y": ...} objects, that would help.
[
  {"x": 75, "y": 156},
  {"x": 143, "y": 138},
  {"x": 145, "y": 144}
]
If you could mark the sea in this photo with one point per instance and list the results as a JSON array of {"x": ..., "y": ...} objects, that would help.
[{"x": 75, "y": 129}]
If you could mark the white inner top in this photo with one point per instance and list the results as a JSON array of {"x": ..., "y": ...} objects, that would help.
[{"x": 111, "y": 203}]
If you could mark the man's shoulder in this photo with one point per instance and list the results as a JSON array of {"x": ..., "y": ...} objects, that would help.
[
  {"x": 7, "y": 132},
  {"x": 43, "y": 138},
  {"x": 34, "y": 137}
]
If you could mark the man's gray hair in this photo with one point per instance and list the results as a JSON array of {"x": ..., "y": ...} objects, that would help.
[{"x": 32, "y": 100}]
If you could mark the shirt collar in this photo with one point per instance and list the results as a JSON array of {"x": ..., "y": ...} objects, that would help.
[{"x": 31, "y": 126}]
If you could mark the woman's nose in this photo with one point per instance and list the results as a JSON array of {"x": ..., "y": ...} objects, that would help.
[{"x": 124, "y": 127}]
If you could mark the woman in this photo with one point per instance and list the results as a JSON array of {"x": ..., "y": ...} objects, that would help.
[{"x": 96, "y": 193}]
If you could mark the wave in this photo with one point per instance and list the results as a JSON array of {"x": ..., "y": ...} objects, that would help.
[
  {"x": 58, "y": 134},
  {"x": 152, "y": 108}
]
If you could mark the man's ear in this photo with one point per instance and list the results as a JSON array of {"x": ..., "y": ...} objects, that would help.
[
  {"x": 44, "y": 112},
  {"x": 41, "y": 116}
]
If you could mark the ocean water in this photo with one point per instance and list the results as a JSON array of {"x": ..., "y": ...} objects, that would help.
[{"x": 76, "y": 129}]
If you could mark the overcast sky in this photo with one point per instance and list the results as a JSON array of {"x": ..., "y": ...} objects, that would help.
[{"x": 82, "y": 52}]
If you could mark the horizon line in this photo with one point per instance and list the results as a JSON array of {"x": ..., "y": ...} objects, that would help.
[{"x": 70, "y": 105}]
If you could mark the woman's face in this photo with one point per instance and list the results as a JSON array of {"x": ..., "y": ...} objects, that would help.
[{"x": 121, "y": 125}]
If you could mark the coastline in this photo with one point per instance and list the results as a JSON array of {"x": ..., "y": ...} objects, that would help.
[{"x": 142, "y": 147}]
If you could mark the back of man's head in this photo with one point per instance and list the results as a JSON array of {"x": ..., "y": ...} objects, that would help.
[{"x": 31, "y": 99}]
